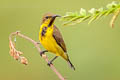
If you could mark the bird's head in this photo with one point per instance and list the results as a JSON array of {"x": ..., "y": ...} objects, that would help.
[{"x": 49, "y": 18}]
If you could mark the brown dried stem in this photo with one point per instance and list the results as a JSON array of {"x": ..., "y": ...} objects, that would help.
[
  {"x": 114, "y": 18},
  {"x": 16, "y": 54}
]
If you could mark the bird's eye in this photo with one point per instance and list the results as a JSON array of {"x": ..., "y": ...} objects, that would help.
[{"x": 47, "y": 17}]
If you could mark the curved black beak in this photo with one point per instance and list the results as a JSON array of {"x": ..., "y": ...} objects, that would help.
[
  {"x": 53, "y": 18},
  {"x": 56, "y": 16}
]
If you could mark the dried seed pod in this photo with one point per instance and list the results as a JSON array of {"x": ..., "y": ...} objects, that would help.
[
  {"x": 23, "y": 60},
  {"x": 11, "y": 53},
  {"x": 16, "y": 56},
  {"x": 19, "y": 52}
]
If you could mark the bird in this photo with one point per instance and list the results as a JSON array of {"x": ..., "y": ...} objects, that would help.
[{"x": 52, "y": 40}]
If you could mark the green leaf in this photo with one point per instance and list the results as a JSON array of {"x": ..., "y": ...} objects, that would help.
[
  {"x": 82, "y": 12},
  {"x": 101, "y": 9},
  {"x": 101, "y": 14},
  {"x": 93, "y": 18},
  {"x": 77, "y": 17},
  {"x": 109, "y": 11},
  {"x": 73, "y": 19},
  {"x": 83, "y": 19},
  {"x": 92, "y": 11}
]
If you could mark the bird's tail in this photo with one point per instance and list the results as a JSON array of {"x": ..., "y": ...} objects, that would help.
[
  {"x": 71, "y": 65},
  {"x": 66, "y": 57}
]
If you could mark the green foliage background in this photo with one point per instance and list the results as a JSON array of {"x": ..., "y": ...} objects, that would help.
[{"x": 94, "y": 49}]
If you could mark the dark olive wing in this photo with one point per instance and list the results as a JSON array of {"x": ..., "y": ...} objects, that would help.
[{"x": 58, "y": 37}]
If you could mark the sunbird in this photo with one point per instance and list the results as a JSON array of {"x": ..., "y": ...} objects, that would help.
[{"x": 51, "y": 39}]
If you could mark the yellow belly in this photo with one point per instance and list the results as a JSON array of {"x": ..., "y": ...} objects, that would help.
[{"x": 50, "y": 44}]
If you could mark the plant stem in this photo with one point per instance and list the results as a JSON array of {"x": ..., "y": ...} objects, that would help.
[
  {"x": 114, "y": 18},
  {"x": 39, "y": 50}
]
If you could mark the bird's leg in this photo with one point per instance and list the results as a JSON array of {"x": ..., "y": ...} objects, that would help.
[
  {"x": 38, "y": 42},
  {"x": 50, "y": 62},
  {"x": 42, "y": 52}
]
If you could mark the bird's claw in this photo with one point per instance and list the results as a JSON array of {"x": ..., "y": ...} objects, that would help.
[
  {"x": 41, "y": 53},
  {"x": 37, "y": 42},
  {"x": 49, "y": 63}
]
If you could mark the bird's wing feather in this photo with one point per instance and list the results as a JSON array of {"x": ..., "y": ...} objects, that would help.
[{"x": 58, "y": 37}]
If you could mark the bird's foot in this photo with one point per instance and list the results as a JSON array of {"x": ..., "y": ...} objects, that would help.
[
  {"x": 49, "y": 63},
  {"x": 42, "y": 52},
  {"x": 37, "y": 42}
]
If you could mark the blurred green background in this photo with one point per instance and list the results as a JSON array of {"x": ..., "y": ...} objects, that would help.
[{"x": 94, "y": 49}]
